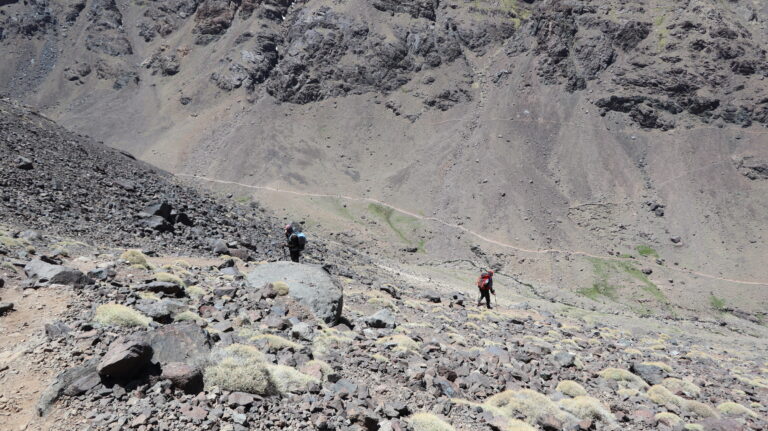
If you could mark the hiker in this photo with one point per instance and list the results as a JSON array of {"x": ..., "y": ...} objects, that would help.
[
  {"x": 294, "y": 240},
  {"x": 485, "y": 284}
]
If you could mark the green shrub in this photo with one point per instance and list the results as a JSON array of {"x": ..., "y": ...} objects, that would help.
[
  {"x": 662, "y": 396},
  {"x": 399, "y": 342},
  {"x": 120, "y": 315},
  {"x": 187, "y": 316},
  {"x": 233, "y": 375},
  {"x": 524, "y": 402},
  {"x": 669, "y": 419},
  {"x": 683, "y": 386},
  {"x": 698, "y": 409},
  {"x": 621, "y": 375}
]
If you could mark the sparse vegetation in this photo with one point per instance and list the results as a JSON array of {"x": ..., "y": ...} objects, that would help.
[
  {"x": 281, "y": 288},
  {"x": 187, "y": 316},
  {"x": 169, "y": 278},
  {"x": 428, "y": 422},
  {"x": 621, "y": 375},
  {"x": 120, "y": 315},
  {"x": 275, "y": 342},
  {"x": 662, "y": 396},
  {"x": 683, "y": 386},
  {"x": 585, "y": 407},
  {"x": 524, "y": 402},
  {"x": 571, "y": 388},
  {"x": 399, "y": 342},
  {"x": 288, "y": 379},
  {"x": 730, "y": 408},
  {"x": 646, "y": 250},
  {"x": 669, "y": 419},
  {"x": 135, "y": 258},
  {"x": 718, "y": 304}
]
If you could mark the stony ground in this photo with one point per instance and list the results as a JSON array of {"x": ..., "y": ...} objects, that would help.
[{"x": 406, "y": 355}]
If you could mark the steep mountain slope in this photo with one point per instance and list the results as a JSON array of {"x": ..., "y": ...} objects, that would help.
[
  {"x": 102, "y": 338},
  {"x": 590, "y": 126}
]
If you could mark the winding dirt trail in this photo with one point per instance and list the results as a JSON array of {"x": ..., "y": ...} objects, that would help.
[{"x": 467, "y": 231}]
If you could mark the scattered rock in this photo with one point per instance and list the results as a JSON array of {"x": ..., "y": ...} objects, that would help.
[
  {"x": 126, "y": 357},
  {"x": 183, "y": 376}
]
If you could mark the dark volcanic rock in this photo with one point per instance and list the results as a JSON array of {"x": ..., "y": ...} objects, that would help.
[
  {"x": 45, "y": 273},
  {"x": 183, "y": 376},
  {"x": 126, "y": 357},
  {"x": 180, "y": 342}
]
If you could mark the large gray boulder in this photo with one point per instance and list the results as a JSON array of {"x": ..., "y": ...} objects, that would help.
[
  {"x": 310, "y": 285},
  {"x": 45, "y": 272}
]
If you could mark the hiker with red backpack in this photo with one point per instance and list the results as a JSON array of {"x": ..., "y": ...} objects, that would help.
[
  {"x": 485, "y": 284},
  {"x": 294, "y": 240}
]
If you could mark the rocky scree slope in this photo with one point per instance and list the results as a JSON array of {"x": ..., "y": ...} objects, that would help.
[
  {"x": 174, "y": 343},
  {"x": 62, "y": 182}
]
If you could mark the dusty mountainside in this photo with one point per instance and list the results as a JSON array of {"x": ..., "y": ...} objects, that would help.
[
  {"x": 614, "y": 149},
  {"x": 202, "y": 337}
]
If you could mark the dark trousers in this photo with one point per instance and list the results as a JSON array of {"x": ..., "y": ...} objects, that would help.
[
  {"x": 485, "y": 293},
  {"x": 295, "y": 255}
]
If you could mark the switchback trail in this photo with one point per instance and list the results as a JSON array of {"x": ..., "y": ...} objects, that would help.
[{"x": 467, "y": 231}]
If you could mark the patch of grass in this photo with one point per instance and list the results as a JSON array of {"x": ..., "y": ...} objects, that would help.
[
  {"x": 275, "y": 342},
  {"x": 525, "y": 403},
  {"x": 669, "y": 419},
  {"x": 730, "y": 408},
  {"x": 585, "y": 407},
  {"x": 11, "y": 242},
  {"x": 693, "y": 427},
  {"x": 327, "y": 339},
  {"x": 380, "y": 358},
  {"x": 187, "y": 316},
  {"x": 663, "y": 396},
  {"x": 571, "y": 388},
  {"x": 598, "y": 289},
  {"x": 288, "y": 379},
  {"x": 621, "y": 375},
  {"x": 394, "y": 220},
  {"x": 240, "y": 375},
  {"x": 120, "y": 315},
  {"x": 195, "y": 291},
  {"x": 682, "y": 386},
  {"x": 148, "y": 295},
  {"x": 135, "y": 258},
  {"x": 318, "y": 367},
  {"x": 428, "y": 422},
  {"x": 169, "y": 278},
  {"x": 281, "y": 288},
  {"x": 646, "y": 250},
  {"x": 718, "y": 304},
  {"x": 698, "y": 409}
]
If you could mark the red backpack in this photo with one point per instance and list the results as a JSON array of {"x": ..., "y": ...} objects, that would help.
[{"x": 482, "y": 281}]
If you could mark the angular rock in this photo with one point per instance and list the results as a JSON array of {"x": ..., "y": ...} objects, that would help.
[
  {"x": 56, "y": 329},
  {"x": 46, "y": 273},
  {"x": 5, "y": 307},
  {"x": 102, "y": 274},
  {"x": 61, "y": 383},
  {"x": 165, "y": 287},
  {"x": 383, "y": 318},
  {"x": 24, "y": 163},
  {"x": 302, "y": 331},
  {"x": 126, "y": 357},
  {"x": 652, "y": 374},
  {"x": 161, "y": 311},
  {"x": 310, "y": 285},
  {"x": 180, "y": 342},
  {"x": 186, "y": 377}
]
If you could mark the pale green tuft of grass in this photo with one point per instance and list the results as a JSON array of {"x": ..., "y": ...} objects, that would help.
[
  {"x": 275, "y": 342},
  {"x": 120, "y": 315},
  {"x": 169, "y": 278},
  {"x": 428, "y": 422},
  {"x": 584, "y": 407},
  {"x": 288, "y": 379},
  {"x": 669, "y": 419},
  {"x": 683, "y": 386},
  {"x": 662, "y": 365},
  {"x": 571, "y": 388},
  {"x": 693, "y": 427},
  {"x": 327, "y": 339},
  {"x": 195, "y": 291},
  {"x": 621, "y": 375},
  {"x": 281, "y": 288},
  {"x": 135, "y": 258},
  {"x": 524, "y": 402},
  {"x": 233, "y": 375},
  {"x": 698, "y": 409},
  {"x": 187, "y": 316},
  {"x": 662, "y": 396},
  {"x": 730, "y": 408}
]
